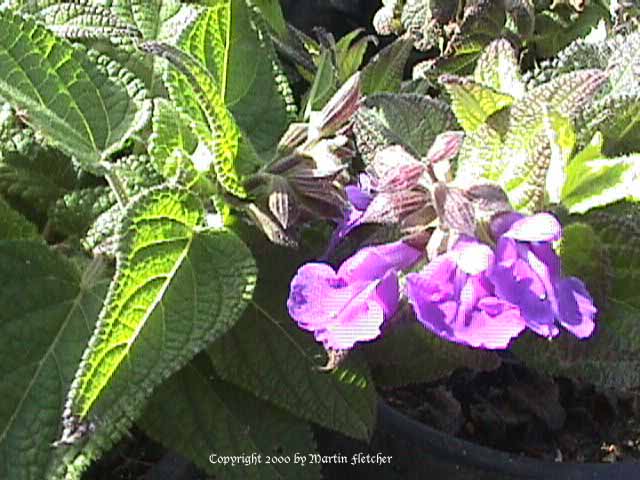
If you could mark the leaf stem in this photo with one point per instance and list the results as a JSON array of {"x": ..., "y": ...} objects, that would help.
[{"x": 116, "y": 185}]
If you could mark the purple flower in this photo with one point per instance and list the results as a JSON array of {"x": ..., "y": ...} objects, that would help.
[
  {"x": 350, "y": 305},
  {"x": 528, "y": 274},
  {"x": 455, "y": 298}
]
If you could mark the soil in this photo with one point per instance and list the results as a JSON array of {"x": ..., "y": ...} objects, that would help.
[{"x": 518, "y": 410}]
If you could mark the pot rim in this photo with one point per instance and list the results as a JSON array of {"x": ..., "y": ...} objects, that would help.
[{"x": 448, "y": 449}]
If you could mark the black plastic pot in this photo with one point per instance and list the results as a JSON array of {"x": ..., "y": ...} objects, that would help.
[{"x": 421, "y": 452}]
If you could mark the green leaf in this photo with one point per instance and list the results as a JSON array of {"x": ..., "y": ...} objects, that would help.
[
  {"x": 324, "y": 84},
  {"x": 498, "y": 68},
  {"x": 176, "y": 288},
  {"x": 534, "y": 155},
  {"x": 584, "y": 255},
  {"x": 555, "y": 29},
  {"x": 173, "y": 142},
  {"x": 480, "y": 156},
  {"x": 267, "y": 354},
  {"x": 411, "y": 120},
  {"x": 84, "y": 104},
  {"x": 223, "y": 38},
  {"x": 410, "y": 354},
  {"x": 162, "y": 20},
  {"x": 618, "y": 228},
  {"x": 385, "y": 71},
  {"x": 13, "y": 225},
  {"x": 609, "y": 359},
  {"x": 82, "y": 20},
  {"x": 48, "y": 312},
  {"x": 74, "y": 213},
  {"x": 349, "y": 53},
  {"x": 595, "y": 181},
  {"x": 472, "y": 102},
  {"x": 195, "y": 93},
  {"x": 197, "y": 415},
  {"x": 617, "y": 117},
  {"x": 273, "y": 14}
]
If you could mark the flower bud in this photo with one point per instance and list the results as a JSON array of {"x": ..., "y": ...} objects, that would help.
[
  {"x": 445, "y": 147},
  {"x": 338, "y": 110},
  {"x": 294, "y": 137}
]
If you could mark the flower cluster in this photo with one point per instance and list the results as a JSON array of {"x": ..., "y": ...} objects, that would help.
[{"x": 472, "y": 294}]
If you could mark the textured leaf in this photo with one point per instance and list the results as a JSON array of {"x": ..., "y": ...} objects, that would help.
[
  {"x": 82, "y": 19},
  {"x": 586, "y": 256},
  {"x": 498, "y": 68},
  {"x": 30, "y": 172},
  {"x": 409, "y": 353},
  {"x": 537, "y": 144},
  {"x": 609, "y": 359},
  {"x": 617, "y": 117},
  {"x": 162, "y": 20},
  {"x": 424, "y": 20},
  {"x": 568, "y": 94},
  {"x": 618, "y": 228},
  {"x": 13, "y": 225},
  {"x": 74, "y": 213},
  {"x": 82, "y": 103},
  {"x": 48, "y": 312},
  {"x": 198, "y": 415},
  {"x": 480, "y": 156},
  {"x": 172, "y": 143},
  {"x": 555, "y": 29},
  {"x": 472, "y": 102},
  {"x": 267, "y": 354},
  {"x": 176, "y": 288},
  {"x": 223, "y": 38},
  {"x": 384, "y": 72},
  {"x": 411, "y": 120},
  {"x": 595, "y": 181},
  {"x": 196, "y": 94}
]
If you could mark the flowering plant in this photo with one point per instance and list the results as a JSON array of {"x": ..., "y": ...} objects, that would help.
[{"x": 200, "y": 203}]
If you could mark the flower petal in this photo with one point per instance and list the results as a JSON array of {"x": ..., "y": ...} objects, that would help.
[
  {"x": 575, "y": 307},
  {"x": 492, "y": 326},
  {"x": 317, "y": 296},
  {"x": 502, "y": 222},
  {"x": 521, "y": 289},
  {"x": 372, "y": 263},
  {"x": 542, "y": 227},
  {"x": 357, "y": 197},
  {"x": 472, "y": 256}
]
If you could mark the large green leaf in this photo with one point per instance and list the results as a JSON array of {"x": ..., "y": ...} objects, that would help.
[
  {"x": 13, "y": 225},
  {"x": 618, "y": 229},
  {"x": 595, "y": 181},
  {"x": 173, "y": 142},
  {"x": 83, "y": 103},
  {"x": 498, "y": 68},
  {"x": 195, "y": 93},
  {"x": 267, "y": 354},
  {"x": 198, "y": 415},
  {"x": 539, "y": 141},
  {"x": 81, "y": 20},
  {"x": 177, "y": 287},
  {"x": 472, "y": 102},
  {"x": 48, "y": 311},
  {"x": 610, "y": 359},
  {"x": 385, "y": 71},
  {"x": 411, "y": 120},
  {"x": 227, "y": 38}
]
